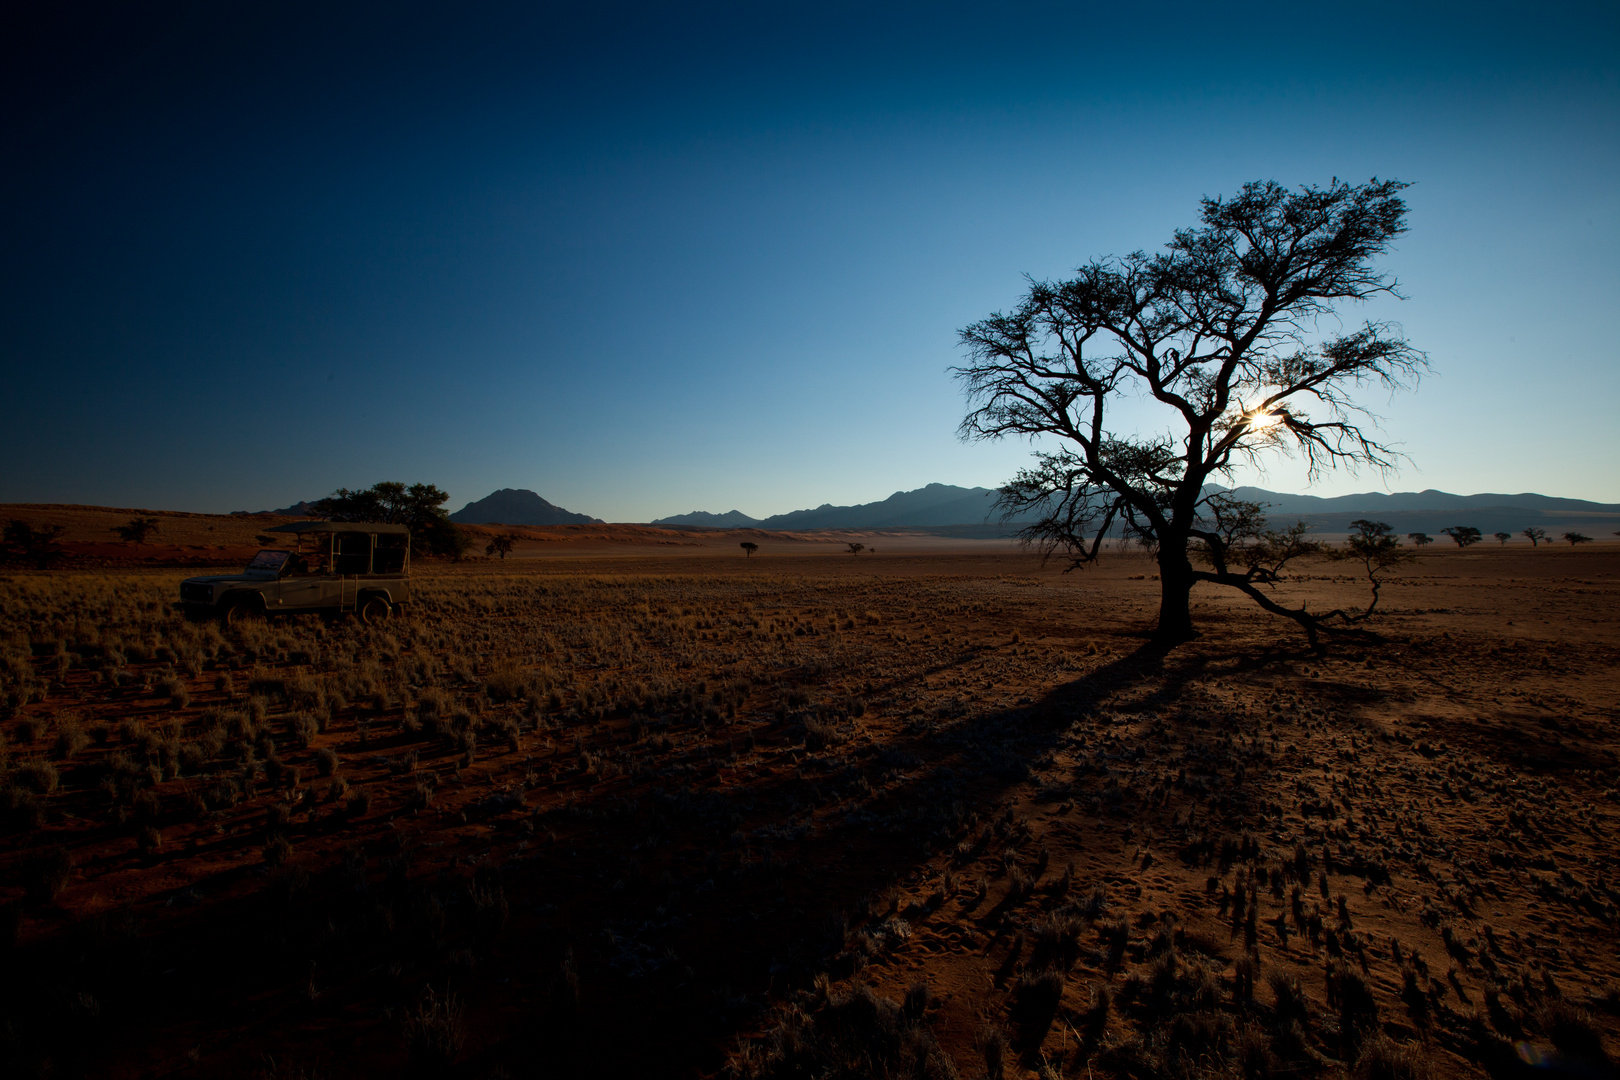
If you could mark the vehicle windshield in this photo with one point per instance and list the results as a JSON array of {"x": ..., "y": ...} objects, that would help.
[{"x": 272, "y": 561}]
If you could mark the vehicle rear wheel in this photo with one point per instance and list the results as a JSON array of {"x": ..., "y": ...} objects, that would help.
[
  {"x": 238, "y": 612},
  {"x": 373, "y": 610}
]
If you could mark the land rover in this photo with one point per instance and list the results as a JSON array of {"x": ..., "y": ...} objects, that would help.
[{"x": 333, "y": 567}]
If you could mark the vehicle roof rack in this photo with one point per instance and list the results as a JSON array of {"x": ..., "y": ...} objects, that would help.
[{"x": 301, "y": 527}]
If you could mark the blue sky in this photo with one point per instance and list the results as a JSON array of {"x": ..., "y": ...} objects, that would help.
[{"x": 649, "y": 259}]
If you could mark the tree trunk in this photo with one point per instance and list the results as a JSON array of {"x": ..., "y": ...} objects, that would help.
[{"x": 1175, "y": 596}]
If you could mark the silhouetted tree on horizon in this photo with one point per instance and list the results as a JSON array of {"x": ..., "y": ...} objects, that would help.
[
  {"x": 856, "y": 549},
  {"x": 1502, "y": 538},
  {"x": 1377, "y": 549},
  {"x": 501, "y": 545},
  {"x": 419, "y": 507},
  {"x": 1420, "y": 539},
  {"x": 749, "y": 547},
  {"x": 35, "y": 544},
  {"x": 1577, "y": 538},
  {"x": 1534, "y": 535},
  {"x": 1463, "y": 535},
  {"x": 1218, "y": 329},
  {"x": 137, "y": 530}
]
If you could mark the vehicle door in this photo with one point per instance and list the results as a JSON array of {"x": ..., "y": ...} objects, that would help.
[
  {"x": 351, "y": 559},
  {"x": 309, "y": 583}
]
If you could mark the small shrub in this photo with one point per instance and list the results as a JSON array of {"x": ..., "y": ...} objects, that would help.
[
  {"x": 434, "y": 1033},
  {"x": 358, "y": 803},
  {"x": 277, "y": 851},
  {"x": 326, "y": 762},
  {"x": 1382, "y": 1058},
  {"x": 147, "y": 839},
  {"x": 38, "y": 776},
  {"x": 303, "y": 728},
  {"x": 70, "y": 739},
  {"x": 46, "y": 874},
  {"x": 991, "y": 1043},
  {"x": 19, "y": 809},
  {"x": 1036, "y": 997},
  {"x": 1571, "y": 1029},
  {"x": 420, "y": 798},
  {"x": 1291, "y": 1002},
  {"x": 506, "y": 683},
  {"x": 1358, "y": 1011},
  {"x": 1056, "y": 942}
]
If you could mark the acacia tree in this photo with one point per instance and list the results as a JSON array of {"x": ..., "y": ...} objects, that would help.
[
  {"x": 1463, "y": 535},
  {"x": 419, "y": 507},
  {"x": 1376, "y": 548},
  {"x": 1220, "y": 331},
  {"x": 1503, "y": 537},
  {"x": 501, "y": 545},
  {"x": 1420, "y": 539},
  {"x": 749, "y": 547},
  {"x": 37, "y": 545},
  {"x": 1576, "y": 538},
  {"x": 1535, "y": 535},
  {"x": 137, "y": 531}
]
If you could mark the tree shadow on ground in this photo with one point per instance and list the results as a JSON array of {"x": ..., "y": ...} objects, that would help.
[{"x": 679, "y": 909}]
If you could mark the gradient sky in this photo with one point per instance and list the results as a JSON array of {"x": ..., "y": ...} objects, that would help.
[{"x": 650, "y": 259}]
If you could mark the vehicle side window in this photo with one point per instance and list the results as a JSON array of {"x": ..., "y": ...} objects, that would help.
[
  {"x": 389, "y": 557},
  {"x": 353, "y": 553}
]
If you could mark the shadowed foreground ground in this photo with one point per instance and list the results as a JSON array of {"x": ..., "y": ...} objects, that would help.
[{"x": 919, "y": 815}]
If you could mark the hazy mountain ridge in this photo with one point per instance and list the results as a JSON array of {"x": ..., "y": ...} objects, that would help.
[
  {"x": 731, "y": 519},
  {"x": 942, "y": 506},
  {"x": 1427, "y": 500}
]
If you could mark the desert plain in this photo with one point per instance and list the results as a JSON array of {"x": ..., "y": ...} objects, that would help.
[{"x": 633, "y": 803}]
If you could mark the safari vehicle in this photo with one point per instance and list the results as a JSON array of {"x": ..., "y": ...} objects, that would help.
[{"x": 334, "y": 567}]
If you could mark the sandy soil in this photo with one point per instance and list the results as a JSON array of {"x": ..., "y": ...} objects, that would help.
[{"x": 711, "y": 801}]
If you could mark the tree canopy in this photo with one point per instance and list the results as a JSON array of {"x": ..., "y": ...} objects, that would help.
[
  {"x": 419, "y": 507},
  {"x": 1463, "y": 535},
  {"x": 1221, "y": 331},
  {"x": 30, "y": 543}
]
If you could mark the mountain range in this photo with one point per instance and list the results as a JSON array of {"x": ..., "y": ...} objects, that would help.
[
  {"x": 971, "y": 512},
  {"x": 927, "y": 507}
]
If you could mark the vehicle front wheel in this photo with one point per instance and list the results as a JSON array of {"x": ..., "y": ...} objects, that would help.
[{"x": 373, "y": 610}]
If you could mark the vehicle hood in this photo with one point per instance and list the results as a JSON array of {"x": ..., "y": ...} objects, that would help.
[{"x": 220, "y": 579}]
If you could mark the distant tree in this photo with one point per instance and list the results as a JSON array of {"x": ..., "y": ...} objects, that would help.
[
  {"x": 1464, "y": 535},
  {"x": 749, "y": 547},
  {"x": 137, "y": 530},
  {"x": 501, "y": 545},
  {"x": 1502, "y": 538},
  {"x": 856, "y": 549},
  {"x": 1576, "y": 538},
  {"x": 1534, "y": 535},
  {"x": 1420, "y": 539},
  {"x": 418, "y": 507},
  {"x": 27, "y": 543},
  {"x": 1218, "y": 333},
  {"x": 1235, "y": 542},
  {"x": 1377, "y": 549}
]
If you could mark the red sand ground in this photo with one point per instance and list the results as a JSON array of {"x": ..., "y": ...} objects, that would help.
[{"x": 691, "y": 875}]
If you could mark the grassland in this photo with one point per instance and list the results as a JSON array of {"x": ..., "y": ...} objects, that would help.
[{"x": 912, "y": 815}]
